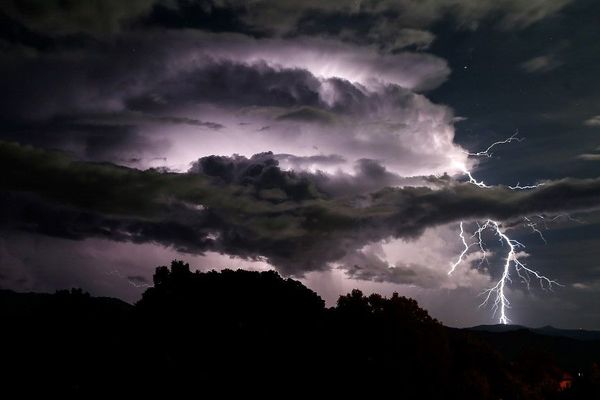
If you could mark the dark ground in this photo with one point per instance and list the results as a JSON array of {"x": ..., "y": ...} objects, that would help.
[{"x": 249, "y": 333}]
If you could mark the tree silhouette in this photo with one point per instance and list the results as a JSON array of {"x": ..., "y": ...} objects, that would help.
[{"x": 259, "y": 334}]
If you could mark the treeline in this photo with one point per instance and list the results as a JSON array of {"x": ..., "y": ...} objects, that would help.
[{"x": 197, "y": 334}]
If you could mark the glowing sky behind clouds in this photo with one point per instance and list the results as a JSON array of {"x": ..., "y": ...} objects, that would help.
[{"x": 354, "y": 97}]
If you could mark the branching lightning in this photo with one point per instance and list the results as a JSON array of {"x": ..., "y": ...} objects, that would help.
[
  {"x": 533, "y": 226},
  {"x": 526, "y": 187},
  {"x": 497, "y": 293},
  {"x": 474, "y": 181},
  {"x": 487, "y": 152},
  {"x": 464, "y": 252}
]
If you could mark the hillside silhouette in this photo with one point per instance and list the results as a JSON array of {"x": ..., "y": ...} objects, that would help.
[{"x": 254, "y": 333}]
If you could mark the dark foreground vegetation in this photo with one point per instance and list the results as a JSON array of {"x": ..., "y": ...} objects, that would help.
[{"x": 246, "y": 333}]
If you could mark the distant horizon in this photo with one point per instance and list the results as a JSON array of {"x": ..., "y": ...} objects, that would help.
[{"x": 329, "y": 304}]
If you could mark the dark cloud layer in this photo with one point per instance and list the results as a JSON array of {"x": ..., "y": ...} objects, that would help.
[
  {"x": 272, "y": 17},
  {"x": 249, "y": 207},
  {"x": 62, "y": 17},
  {"x": 349, "y": 107}
]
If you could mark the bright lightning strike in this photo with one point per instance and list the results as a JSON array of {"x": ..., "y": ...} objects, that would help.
[
  {"x": 464, "y": 252},
  {"x": 474, "y": 181},
  {"x": 519, "y": 187},
  {"x": 487, "y": 152},
  {"x": 498, "y": 292}
]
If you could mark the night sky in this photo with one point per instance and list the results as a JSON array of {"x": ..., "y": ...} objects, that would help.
[{"x": 328, "y": 140}]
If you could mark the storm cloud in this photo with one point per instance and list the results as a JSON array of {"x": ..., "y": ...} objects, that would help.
[
  {"x": 250, "y": 207},
  {"x": 320, "y": 138},
  {"x": 221, "y": 90}
]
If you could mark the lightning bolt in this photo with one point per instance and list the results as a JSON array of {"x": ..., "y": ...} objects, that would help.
[
  {"x": 487, "y": 152},
  {"x": 534, "y": 228},
  {"x": 464, "y": 252},
  {"x": 527, "y": 187},
  {"x": 474, "y": 181},
  {"x": 497, "y": 293}
]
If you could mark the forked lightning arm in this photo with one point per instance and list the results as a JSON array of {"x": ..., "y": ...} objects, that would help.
[
  {"x": 487, "y": 152},
  {"x": 511, "y": 262},
  {"x": 498, "y": 292}
]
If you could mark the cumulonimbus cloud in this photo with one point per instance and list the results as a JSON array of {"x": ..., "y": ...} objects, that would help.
[
  {"x": 249, "y": 207},
  {"x": 228, "y": 93},
  {"x": 343, "y": 104}
]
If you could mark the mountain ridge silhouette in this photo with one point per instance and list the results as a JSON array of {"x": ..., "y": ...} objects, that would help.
[{"x": 548, "y": 330}]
